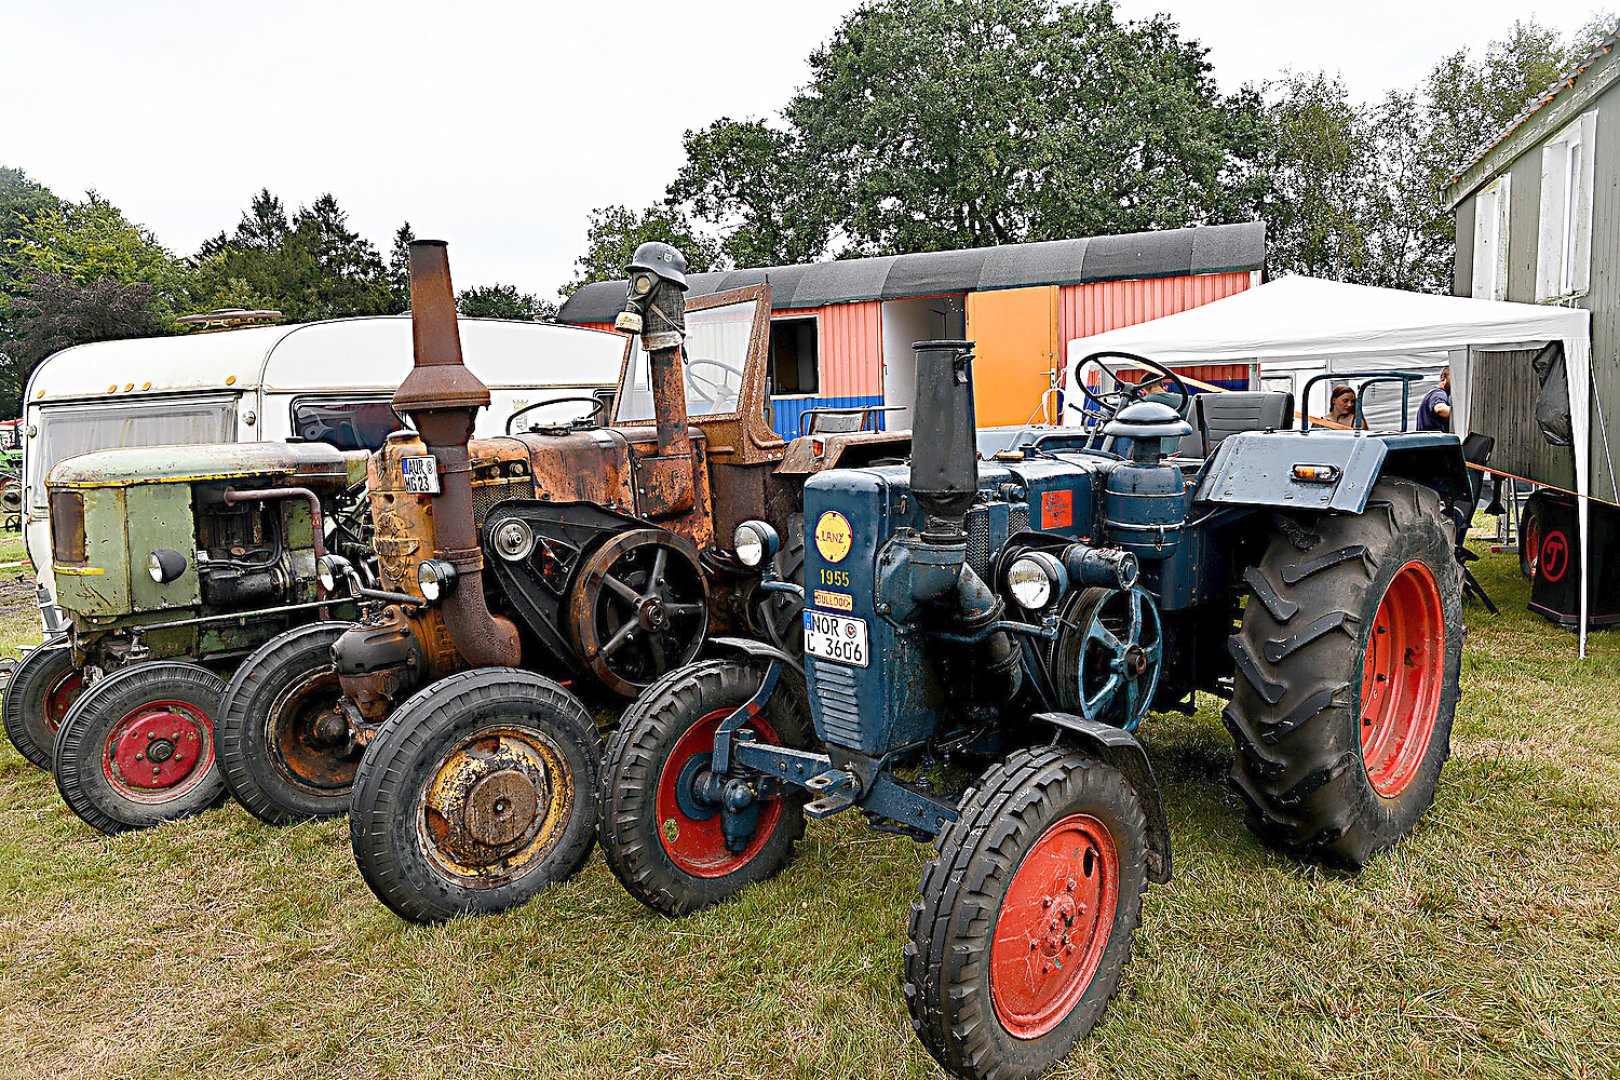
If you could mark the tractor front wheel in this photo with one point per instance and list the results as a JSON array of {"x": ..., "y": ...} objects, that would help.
[
  {"x": 284, "y": 740},
  {"x": 664, "y": 831},
  {"x": 1347, "y": 665},
  {"x": 43, "y": 686},
  {"x": 137, "y": 748},
  {"x": 1027, "y": 915},
  {"x": 478, "y": 792}
]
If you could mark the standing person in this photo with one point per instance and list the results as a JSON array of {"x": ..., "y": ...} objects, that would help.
[
  {"x": 1342, "y": 408},
  {"x": 1434, "y": 412}
]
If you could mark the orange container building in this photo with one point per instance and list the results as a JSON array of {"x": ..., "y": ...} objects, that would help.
[{"x": 841, "y": 332}]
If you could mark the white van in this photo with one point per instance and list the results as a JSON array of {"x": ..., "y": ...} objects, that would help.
[{"x": 323, "y": 381}]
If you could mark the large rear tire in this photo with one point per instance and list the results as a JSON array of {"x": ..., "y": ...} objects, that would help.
[
  {"x": 137, "y": 748},
  {"x": 1027, "y": 915},
  {"x": 666, "y": 844},
  {"x": 284, "y": 744},
  {"x": 1347, "y": 666},
  {"x": 479, "y": 791},
  {"x": 43, "y": 686}
]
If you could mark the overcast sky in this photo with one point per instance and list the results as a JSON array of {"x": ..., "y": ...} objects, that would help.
[{"x": 498, "y": 125}]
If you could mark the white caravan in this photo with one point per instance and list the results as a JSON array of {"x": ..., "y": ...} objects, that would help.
[{"x": 323, "y": 381}]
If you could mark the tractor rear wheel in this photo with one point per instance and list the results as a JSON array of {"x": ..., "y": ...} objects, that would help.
[
  {"x": 1347, "y": 665},
  {"x": 43, "y": 686},
  {"x": 479, "y": 791},
  {"x": 662, "y": 838},
  {"x": 284, "y": 742},
  {"x": 1027, "y": 915},
  {"x": 137, "y": 748}
]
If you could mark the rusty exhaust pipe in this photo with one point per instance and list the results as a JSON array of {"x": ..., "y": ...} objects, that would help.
[{"x": 442, "y": 398}]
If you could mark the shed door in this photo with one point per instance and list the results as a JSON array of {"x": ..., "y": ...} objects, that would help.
[{"x": 1018, "y": 356}]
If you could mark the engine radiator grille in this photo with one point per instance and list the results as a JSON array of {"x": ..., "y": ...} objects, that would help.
[
  {"x": 981, "y": 543},
  {"x": 486, "y": 493},
  {"x": 840, "y": 710}
]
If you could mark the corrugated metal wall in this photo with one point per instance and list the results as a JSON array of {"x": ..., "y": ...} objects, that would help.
[{"x": 1084, "y": 310}]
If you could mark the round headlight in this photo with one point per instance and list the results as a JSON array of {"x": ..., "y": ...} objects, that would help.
[
  {"x": 327, "y": 569},
  {"x": 164, "y": 565},
  {"x": 1033, "y": 580},
  {"x": 514, "y": 540},
  {"x": 750, "y": 546},
  {"x": 435, "y": 578}
]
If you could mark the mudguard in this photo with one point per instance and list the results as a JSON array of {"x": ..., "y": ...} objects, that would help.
[
  {"x": 1119, "y": 748},
  {"x": 1257, "y": 468},
  {"x": 754, "y": 650}
]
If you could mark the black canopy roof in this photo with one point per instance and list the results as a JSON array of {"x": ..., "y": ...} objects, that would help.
[{"x": 1208, "y": 249}]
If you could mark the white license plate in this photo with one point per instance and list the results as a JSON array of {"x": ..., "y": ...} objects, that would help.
[
  {"x": 835, "y": 637},
  {"x": 421, "y": 474}
]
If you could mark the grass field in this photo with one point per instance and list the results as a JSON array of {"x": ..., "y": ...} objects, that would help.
[{"x": 1488, "y": 945}]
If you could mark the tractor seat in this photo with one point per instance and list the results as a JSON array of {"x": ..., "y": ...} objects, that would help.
[{"x": 1216, "y": 416}]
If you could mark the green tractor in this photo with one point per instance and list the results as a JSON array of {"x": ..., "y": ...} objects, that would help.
[{"x": 171, "y": 564}]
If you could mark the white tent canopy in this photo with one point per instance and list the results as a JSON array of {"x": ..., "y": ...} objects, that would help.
[{"x": 1301, "y": 318}]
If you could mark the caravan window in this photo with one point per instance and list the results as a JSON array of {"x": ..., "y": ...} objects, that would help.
[
  {"x": 70, "y": 430},
  {"x": 347, "y": 425},
  {"x": 716, "y": 354}
]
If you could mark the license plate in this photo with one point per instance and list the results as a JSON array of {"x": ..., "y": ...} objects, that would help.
[
  {"x": 421, "y": 475},
  {"x": 838, "y": 638}
]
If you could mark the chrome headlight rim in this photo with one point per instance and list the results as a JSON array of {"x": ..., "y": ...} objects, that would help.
[
  {"x": 1034, "y": 579},
  {"x": 329, "y": 569}
]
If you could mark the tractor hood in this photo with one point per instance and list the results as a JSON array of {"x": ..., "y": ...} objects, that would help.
[{"x": 307, "y": 464}]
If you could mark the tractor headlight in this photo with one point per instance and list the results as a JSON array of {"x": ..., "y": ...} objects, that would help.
[
  {"x": 1034, "y": 578},
  {"x": 755, "y": 543},
  {"x": 328, "y": 569},
  {"x": 164, "y": 565},
  {"x": 436, "y": 578},
  {"x": 514, "y": 540}
]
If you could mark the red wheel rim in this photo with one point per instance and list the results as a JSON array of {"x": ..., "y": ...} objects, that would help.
[
  {"x": 1401, "y": 680},
  {"x": 698, "y": 847},
  {"x": 1054, "y": 926},
  {"x": 1530, "y": 542},
  {"x": 159, "y": 751},
  {"x": 61, "y": 696}
]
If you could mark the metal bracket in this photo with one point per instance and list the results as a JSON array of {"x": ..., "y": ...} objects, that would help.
[{"x": 723, "y": 735}]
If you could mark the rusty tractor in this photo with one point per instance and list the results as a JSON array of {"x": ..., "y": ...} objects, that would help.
[
  {"x": 171, "y": 565},
  {"x": 553, "y": 574}
]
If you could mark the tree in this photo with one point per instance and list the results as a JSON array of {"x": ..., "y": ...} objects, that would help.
[
  {"x": 308, "y": 266},
  {"x": 55, "y": 311},
  {"x": 931, "y": 124},
  {"x": 614, "y": 233},
  {"x": 502, "y": 302},
  {"x": 1322, "y": 184},
  {"x": 756, "y": 182},
  {"x": 399, "y": 269}
]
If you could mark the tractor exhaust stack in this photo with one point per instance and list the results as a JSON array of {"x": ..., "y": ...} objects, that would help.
[{"x": 442, "y": 397}]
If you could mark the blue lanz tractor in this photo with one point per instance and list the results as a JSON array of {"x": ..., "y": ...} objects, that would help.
[{"x": 1013, "y": 621}]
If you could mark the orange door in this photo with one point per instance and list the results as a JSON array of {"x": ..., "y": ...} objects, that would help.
[{"x": 1017, "y": 353}]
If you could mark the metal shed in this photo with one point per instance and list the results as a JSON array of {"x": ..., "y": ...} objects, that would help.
[{"x": 842, "y": 331}]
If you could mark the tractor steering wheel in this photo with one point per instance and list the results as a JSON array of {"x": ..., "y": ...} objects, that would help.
[
  {"x": 598, "y": 406},
  {"x": 1115, "y": 400},
  {"x": 712, "y": 391}
]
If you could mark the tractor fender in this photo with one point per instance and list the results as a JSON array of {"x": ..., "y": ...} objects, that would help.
[
  {"x": 1257, "y": 468},
  {"x": 1120, "y": 749},
  {"x": 739, "y": 648}
]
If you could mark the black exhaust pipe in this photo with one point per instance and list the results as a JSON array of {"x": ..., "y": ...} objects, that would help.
[
  {"x": 945, "y": 481},
  {"x": 944, "y": 453}
]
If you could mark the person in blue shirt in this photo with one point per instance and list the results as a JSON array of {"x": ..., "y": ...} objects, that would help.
[{"x": 1434, "y": 412}]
